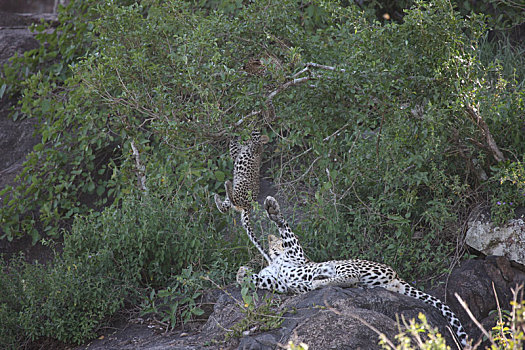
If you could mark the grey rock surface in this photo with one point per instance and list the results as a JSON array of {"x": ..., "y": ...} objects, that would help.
[
  {"x": 332, "y": 318},
  {"x": 506, "y": 240},
  {"x": 16, "y": 137}
]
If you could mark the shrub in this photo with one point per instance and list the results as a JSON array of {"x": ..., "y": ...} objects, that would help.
[
  {"x": 109, "y": 258},
  {"x": 380, "y": 136},
  {"x": 66, "y": 302},
  {"x": 391, "y": 152},
  {"x": 63, "y": 169}
]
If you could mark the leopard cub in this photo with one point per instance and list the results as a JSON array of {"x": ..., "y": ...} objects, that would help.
[{"x": 245, "y": 187}]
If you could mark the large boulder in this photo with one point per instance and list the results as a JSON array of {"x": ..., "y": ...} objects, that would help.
[
  {"x": 338, "y": 318},
  {"x": 15, "y": 36},
  {"x": 481, "y": 283}
]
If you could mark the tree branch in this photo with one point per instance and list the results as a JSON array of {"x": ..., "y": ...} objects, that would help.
[
  {"x": 141, "y": 169},
  {"x": 295, "y": 81},
  {"x": 493, "y": 147}
]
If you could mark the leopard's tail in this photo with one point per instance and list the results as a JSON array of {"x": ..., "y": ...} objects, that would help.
[
  {"x": 403, "y": 287},
  {"x": 246, "y": 223}
]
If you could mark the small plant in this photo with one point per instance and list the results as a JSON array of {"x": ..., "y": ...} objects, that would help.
[
  {"x": 507, "y": 334},
  {"x": 509, "y": 190},
  {"x": 509, "y": 331},
  {"x": 291, "y": 346},
  {"x": 411, "y": 337},
  {"x": 258, "y": 315},
  {"x": 178, "y": 303},
  {"x": 66, "y": 301}
]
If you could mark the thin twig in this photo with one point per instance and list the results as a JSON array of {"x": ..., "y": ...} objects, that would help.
[
  {"x": 377, "y": 331},
  {"x": 499, "y": 312},
  {"x": 479, "y": 325},
  {"x": 322, "y": 66},
  {"x": 286, "y": 86},
  {"x": 304, "y": 174},
  {"x": 251, "y": 114}
]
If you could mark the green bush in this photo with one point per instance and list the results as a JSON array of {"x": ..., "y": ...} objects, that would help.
[
  {"x": 146, "y": 240},
  {"x": 66, "y": 302},
  {"x": 381, "y": 145},
  {"x": 11, "y": 290},
  {"x": 69, "y": 301},
  {"x": 389, "y": 156},
  {"x": 63, "y": 168},
  {"x": 109, "y": 258}
]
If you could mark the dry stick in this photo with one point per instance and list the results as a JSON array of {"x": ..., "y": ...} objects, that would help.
[
  {"x": 322, "y": 66},
  {"x": 476, "y": 117},
  {"x": 379, "y": 139},
  {"x": 251, "y": 114},
  {"x": 479, "y": 325},
  {"x": 286, "y": 86},
  {"x": 515, "y": 292},
  {"x": 502, "y": 334},
  {"x": 335, "y": 133},
  {"x": 377, "y": 331}
]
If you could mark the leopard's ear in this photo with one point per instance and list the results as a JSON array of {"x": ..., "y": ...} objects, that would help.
[{"x": 265, "y": 139}]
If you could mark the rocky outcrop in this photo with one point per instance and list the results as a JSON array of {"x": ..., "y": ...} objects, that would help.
[
  {"x": 15, "y": 36},
  {"x": 16, "y": 137},
  {"x": 474, "y": 281},
  {"x": 507, "y": 240},
  {"x": 333, "y": 318}
]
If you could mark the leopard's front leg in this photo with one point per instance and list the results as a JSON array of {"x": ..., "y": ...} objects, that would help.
[
  {"x": 227, "y": 204},
  {"x": 265, "y": 279}
]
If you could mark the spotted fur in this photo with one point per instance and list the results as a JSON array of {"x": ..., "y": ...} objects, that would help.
[
  {"x": 284, "y": 275},
  {"x": 290, "y": 271},
  {"x": 245, "y": 187}
]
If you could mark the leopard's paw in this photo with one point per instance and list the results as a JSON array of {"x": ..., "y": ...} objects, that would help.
[
  {"x": 273, "y": 210},
  {"x": 242, "y": 273},
  {"x": 222, "y": 206}
]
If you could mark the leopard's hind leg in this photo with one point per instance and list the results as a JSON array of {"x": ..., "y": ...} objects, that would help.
[
  {"x": 291, "y": 245},
  {"x": 265, "y": 279}
]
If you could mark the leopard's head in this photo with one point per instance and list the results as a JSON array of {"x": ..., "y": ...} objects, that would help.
[{"x": 275, "y": 246}]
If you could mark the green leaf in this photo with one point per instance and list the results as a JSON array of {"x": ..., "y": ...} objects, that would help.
[
  {"x": 100, "y": 189},
  {"x": 197, "y": 311},
  {"x": 45, "y": 105},
  {"x": 2, "y": 90},
  {"x": 220, "y": 176}
]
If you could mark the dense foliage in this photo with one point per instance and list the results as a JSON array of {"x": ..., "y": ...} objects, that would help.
[{"x": 383, "y": 137}]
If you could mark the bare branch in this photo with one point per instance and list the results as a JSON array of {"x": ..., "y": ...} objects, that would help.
[
  {"x": 286, "y": 86},
  {"x": 322, "y": 66},
  {"x": 141, "y": 169},
  {"x": 251, "y": 114},
  {"x": 295, "y": 81},
  {"x": 480, "y": 326}
]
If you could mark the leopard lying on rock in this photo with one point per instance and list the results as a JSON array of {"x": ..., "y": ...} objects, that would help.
[{"x": 290, "y": 271}]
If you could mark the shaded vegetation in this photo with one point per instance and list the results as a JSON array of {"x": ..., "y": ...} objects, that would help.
[{"x": 384, "y": 136}]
